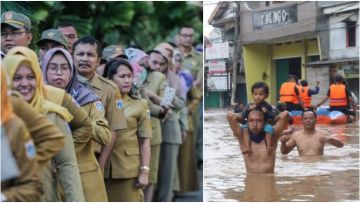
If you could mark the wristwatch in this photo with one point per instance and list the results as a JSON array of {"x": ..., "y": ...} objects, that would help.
[{"x": 145, "y": 168}]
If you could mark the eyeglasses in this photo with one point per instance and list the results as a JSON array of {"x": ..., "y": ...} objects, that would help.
[
  {"x": 186, "y": 35},
  {"x": 13, "y": 35},
  {"x": 54, "y": 69}
]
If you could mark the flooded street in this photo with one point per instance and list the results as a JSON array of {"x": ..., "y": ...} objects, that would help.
[{"x": 332, "y": 177}]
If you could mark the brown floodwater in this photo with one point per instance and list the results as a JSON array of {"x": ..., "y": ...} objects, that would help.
[{"x": 331, "y": 177}]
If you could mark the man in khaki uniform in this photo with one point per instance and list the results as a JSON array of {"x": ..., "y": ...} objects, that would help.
[
  {"x": 108, "y": 53},
  {"x": 87, "y": 53},
  {"x": 192, "y": 61},
  {"x": 15, "y": 30},
  {"x": 156, "y": 83},
  {"x": 50, "y": 39}
]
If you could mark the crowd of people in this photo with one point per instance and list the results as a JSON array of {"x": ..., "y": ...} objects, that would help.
[{"x": 83, "y": 123}]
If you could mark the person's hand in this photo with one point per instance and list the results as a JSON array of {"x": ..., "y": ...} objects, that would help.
[
  {"x": 143, "y": 179},
  {"x": 167, "y": 115},
  {"x": 252, "y": 106},
  {"x": 183, "y": 136},
  {"x": 284, "y": 139},
  {"x": 263, "y": 109}
]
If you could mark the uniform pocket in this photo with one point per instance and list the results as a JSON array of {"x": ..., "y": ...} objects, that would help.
[
  {"x": 132, "y": 151},
  {"x": 86, "y": 167}
]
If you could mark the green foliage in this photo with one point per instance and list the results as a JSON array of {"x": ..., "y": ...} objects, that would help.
[{"x": 128, "y": 23}]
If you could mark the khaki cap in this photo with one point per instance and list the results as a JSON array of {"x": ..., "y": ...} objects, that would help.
[
  {"x": 112, "y": 51},
  {"x": 52, "y": 35},
  {"x": 16, "y": 20}
]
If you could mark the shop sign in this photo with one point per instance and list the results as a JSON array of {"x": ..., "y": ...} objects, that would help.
[
  {"x": 217, "y": 51},
  {"x": 274, "y": 18},
  {"x": 218, "y": 83},
  {"x": 216, "y": 66}
]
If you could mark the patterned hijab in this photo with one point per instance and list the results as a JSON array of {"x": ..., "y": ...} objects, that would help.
[
  {"x": 140, "y": 73},
  {"x": 81, "y": 94},
  {"x": 12, "y": 62}
]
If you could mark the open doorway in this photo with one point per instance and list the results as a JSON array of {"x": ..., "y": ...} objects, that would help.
[{"x": 284, "y": 68}]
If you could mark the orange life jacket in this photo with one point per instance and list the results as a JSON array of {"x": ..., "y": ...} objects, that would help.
[
  {"x": 304, "y": 95},
  {"x": 338, "y": 95},
  {"x": 287, "y": 92}
]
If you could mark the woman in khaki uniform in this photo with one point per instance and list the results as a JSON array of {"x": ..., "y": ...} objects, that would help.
[
  {"x": 154, "y": 85},
  {"x": 28, "y": 81},
  {"x": 26, "y": 185},
  {"x": 92, "y": 179},
  {"x": 127, "y": 170}
]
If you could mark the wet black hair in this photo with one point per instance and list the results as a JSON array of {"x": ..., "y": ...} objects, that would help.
[
  {"x": 309, "y": 110},
  {"x": 339, "y": 78},
  {"x": 304, "y": 83},
  {"x": 255, "y": 110},
  {"x": 89, "y": 40},
  {"x": 259, "y": 85}
]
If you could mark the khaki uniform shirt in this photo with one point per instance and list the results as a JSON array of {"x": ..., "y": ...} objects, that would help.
[
  {"x": 193, "y": 61},
  {"x": 47, "y": 137},
  {"x": 80, "y": 125},
  {"x": 125, "y": 157},
  {"x": 102, "y": 134},
  {"x": 26, "y": 187},
  {"x": 156, "y": 82},
  {"x": 110, "y": 97}
]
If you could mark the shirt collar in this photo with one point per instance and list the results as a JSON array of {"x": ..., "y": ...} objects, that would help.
[{"x": 95, "y": 81}]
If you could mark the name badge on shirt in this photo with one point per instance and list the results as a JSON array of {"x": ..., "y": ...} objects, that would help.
[
  {"x": 99, "y": 106},
  {"x": 30, "y": 149},
  {"x": 148, "y": 113},
  {"x": 119, "y": 104}
]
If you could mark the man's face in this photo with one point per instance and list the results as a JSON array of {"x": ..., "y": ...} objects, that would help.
[
  {"x": 186, "y": 37},
  {"x": 71, "y": 36},
  {"x": 157, "y": 62},
  {"x": 309, "y": 120},
  {"x": 58, "y": 71},
  {"x": 256, "y": 121},
  {"x": 86, "y": 59},
  {"x": 11, "y": 37},
  {"x": 46, "y": 46}
]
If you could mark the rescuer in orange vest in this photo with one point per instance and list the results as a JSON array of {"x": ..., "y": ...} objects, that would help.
[
  {"x": 305, "y": 92},
  {"x": 289, "y": 94},
  {"x": 340, "y": 97}
]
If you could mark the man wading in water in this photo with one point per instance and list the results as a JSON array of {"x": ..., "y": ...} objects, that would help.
[
  {"x": 309, "y": 141},
  {"x": 260, "y": 161}
]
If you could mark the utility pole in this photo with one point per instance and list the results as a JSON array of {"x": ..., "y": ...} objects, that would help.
[{"x": 235, "y": 52}]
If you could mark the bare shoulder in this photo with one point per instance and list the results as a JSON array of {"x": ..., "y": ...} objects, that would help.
[{"x": 322, "y": 133}]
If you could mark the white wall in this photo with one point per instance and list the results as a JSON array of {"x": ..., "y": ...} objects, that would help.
[{"x": 337, "y": 39}]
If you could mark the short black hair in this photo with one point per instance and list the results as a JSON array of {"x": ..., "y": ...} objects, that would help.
[
  {"x": 309, "y": 110},
  {"x": 65, "y": 24},
  {"x": 339, "y": 78},
  {"x": 259, "y": 85},
  {"x": 292, "y": 77},
  {"x": 89, "y": 40},
  {"x": 304, "y": 83}
]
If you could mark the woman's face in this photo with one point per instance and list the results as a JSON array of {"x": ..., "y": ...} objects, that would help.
[
  {"x": 123, "y": 79},
  {"x": 24, "y": 82},
  {"x": 58, "y": 71}
]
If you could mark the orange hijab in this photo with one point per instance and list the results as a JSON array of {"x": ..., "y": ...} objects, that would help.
[{"x": 6, "y": 107}]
